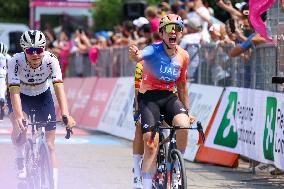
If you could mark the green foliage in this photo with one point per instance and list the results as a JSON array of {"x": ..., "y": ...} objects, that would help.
[
  {"x": 154, "y": 2},
  {"x": 107, "y": 14},
  {"x": 16, "y": 11}
]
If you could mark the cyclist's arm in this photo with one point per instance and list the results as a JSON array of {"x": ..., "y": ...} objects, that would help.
[
  {"x": 183, "y": 94},
  {"x": 3, "y": 73},
  {"x": 14, "y": 87},
  {"x": 61, "y": 98},
  {"x": 182, "y": 83},
  {"x": 16, "y": 102},
  {"x": 138, "y": 55}
]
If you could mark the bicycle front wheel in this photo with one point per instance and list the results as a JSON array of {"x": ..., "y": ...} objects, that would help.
[
  {"x": 30, "y": 161},
  {"x": 45, "y": 167},
  {"x": 178, "y": 174}
]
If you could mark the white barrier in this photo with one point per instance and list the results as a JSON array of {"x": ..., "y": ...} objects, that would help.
[
  {"x": 118, "y": 119},
  {"x": 203, "y": 101},
  {"x": 251, "y": 123}
]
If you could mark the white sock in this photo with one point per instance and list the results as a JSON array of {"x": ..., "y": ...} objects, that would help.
[
  {"x": 147, "y": 180},
  {"x": 55, "y": 177},
  {"x": 137, "y": 158},
  {"x": 20, "y": 150}
]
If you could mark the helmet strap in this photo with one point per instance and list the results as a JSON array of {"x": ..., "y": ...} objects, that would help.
[{"x": 166, "y": 45}]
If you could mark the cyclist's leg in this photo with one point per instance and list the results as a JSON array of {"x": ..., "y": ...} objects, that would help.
[
  {"x": 138, "y": 146},
  {"x": 176, "y": 114},
  {"x": 138, "y": 150},
  {"x": 150, "y": 114},
  {"x": 19, "y": 144}
]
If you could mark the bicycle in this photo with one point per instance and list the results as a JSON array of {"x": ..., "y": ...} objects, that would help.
[
  {"x": 37, "y": 156},
  {"x": 171, "y": 172}
]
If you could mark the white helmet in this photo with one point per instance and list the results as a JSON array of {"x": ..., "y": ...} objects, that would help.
[
  {"x": 32, "y": 38},
  {"x": 3, "y": 49}
]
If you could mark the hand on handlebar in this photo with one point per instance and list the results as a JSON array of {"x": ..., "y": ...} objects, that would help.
[
  {"x": 192, "y": 119},
  {"x": 69, "y": 121}
]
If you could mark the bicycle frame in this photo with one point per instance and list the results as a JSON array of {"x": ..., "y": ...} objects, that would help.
[
  {"x": 171, "y": 139},
  {"x": 37, "y": 154}
]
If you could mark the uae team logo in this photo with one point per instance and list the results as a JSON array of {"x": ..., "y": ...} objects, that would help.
[
  {"x": 227, "y": 134},
  {"x": 269, "y": 129}
]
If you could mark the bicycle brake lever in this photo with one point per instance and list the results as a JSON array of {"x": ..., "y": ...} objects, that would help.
[
  {"x": 69, "y": 132},
  {"x": 200, "y": 130}
]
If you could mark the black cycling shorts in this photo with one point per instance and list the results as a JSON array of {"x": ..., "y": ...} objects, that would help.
[
  {"x": 153, "y": 103},
  {"x": 41, "y": 107}
]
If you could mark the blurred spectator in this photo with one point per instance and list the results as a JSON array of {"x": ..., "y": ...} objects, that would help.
[
  {"x": 202, "y": 13},
  {"x": 215, "y": 33},
  {"x": 190, "y": 42},
  {"x": 151, "y": 13},
  {"x": 81, "y": 47},
  {"x": 207, "y": 5},
  {"x": 163, "y": 9},
  {"x": 227, "y": 6},
  {"x": 63, "y": 45}
]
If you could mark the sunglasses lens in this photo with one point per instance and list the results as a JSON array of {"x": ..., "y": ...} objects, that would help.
[
  {"x": 31, "y": 51},
  {"x": 169, "y": 28}
]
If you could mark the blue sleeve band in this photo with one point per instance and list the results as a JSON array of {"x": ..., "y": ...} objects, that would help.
[{"x": 247, "y": 43}]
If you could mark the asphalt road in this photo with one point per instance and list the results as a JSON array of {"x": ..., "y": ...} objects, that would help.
[{"x": 100, "y": 161}]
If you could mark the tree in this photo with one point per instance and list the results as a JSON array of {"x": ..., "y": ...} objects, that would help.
[
  {"x": 14, "y": 11},
  {"x": 109, "y": 13}
]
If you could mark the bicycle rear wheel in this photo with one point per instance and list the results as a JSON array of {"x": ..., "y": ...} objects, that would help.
[
  {"x": 45, "y": 168},
  {"x": 178, "y": 174}
]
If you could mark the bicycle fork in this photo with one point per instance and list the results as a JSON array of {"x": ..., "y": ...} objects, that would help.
[{"x": 172, "y": 146}]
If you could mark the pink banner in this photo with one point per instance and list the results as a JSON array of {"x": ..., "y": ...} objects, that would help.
[
  {"x": 98, "y": 102},
  {"x": 71, "y": 88},
  {"x": 83, "y": 97}
]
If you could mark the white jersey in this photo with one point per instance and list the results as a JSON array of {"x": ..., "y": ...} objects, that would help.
[
  {"x": 3, "y": 72},
  {"x": 33, "y": 81}
]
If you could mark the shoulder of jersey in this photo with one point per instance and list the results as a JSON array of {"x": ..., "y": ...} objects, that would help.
[
  {"x": 183, "y": 51},
  {"x": 49, "y": 56},
  {"x": 18, "y": 56}
]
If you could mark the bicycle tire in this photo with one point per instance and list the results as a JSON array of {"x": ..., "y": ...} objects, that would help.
[
  {"x": 176, "y": 157},
  {"x": 161, "y": 175},
  {"x": 45, "y": 167},
  {"x": 31, "y": 179}
]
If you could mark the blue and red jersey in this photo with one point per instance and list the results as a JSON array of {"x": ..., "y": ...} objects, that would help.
[{"x": 161, "y": 71}]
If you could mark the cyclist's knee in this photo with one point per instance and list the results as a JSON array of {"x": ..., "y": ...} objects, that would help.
[
  {"x": 182, "y": 120},
  {"x": 150, "y": 148}
]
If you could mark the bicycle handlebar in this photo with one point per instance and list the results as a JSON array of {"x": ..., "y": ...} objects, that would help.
[
  {"x": 154, "y": 129},
  {"x": 69, "y": 131}
]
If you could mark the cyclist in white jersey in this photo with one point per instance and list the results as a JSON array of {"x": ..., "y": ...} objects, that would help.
[
  {"x": 3, "y": 73},
  {"x": 30, "y": 94}
]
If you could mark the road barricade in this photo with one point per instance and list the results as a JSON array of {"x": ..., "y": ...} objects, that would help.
[
  {"x": 83, "y": 98},
  {"x": 96, "y": 106}
]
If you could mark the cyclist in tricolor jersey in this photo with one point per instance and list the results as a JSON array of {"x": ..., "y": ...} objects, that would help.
[
  {"x": 165, "y": 65},
  {"x": 30, "y": 94}
]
